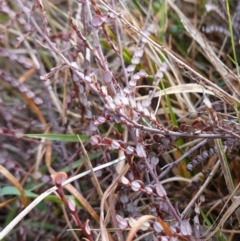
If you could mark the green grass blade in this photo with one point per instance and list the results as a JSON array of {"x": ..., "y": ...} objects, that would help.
[
  {"x": 59, "y": 137},
  {"x": 230, "y": 24},
  {"x": 209, "y": 223},
  {"x": 13, "y": 191}
]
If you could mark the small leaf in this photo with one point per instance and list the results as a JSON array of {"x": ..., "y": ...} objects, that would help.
[
  {"x": 154, "y": 160},
  {"x": 204, "y": 154},
  {"x": 71, "y": 205},
  {"x": 117, "y": 100},
  {"x": 124, "y": 198},
  {"x": 38, "y": 101},
  {"x": 129, "y": 150},
  {"x": 107, "y": 77},
  {"x": 140, "y": 150},
  {"x": 196, "y": 221},
  {"x": 107, "y": 141},
  {"x": 125, "y": 100},
  {"x": 135, "y": 185},
  {"x": 190, "y": 167},
  {"x": 135, "y": 60},
  {"x": 136, "y": 77},
  {"x": 101, "y": 119},
  {"x": 122, "y": 222},
  {"x": 115, "y": 144},
  {"x": 138, "y": 52},
  {"x": 143, "y": 73},
  {"x": 159, "y": 74},
  {"x": 95, "y": 140},
  {"x": 149, "y": 190},
  {"x": 160, "y": 190},
  {"x": 157, "y": 227},
  {"x": 132, "y": 83},
  {"x": 130, "y": 68},
  {"x": 131, "y": 221},
  {"x": 197, "y": 210},
  {"x": 185, "y": 227},
  {"x": 140, "y": 107},
  {"x": 202, "y": 199},
  {"x": 146, "y": 102},
  {"x": 124, "y": 180},
  {"x": 165, "y": 141},
  {"x": 97, "y": 21},
  {"x": 131, "y": 208},
  {"x": 133, "y": 102}
]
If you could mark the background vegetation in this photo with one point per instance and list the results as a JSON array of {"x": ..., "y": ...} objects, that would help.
[{"x": 119, "y": 120}]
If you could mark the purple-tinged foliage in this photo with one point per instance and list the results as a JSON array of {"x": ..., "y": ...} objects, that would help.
[
  {"x": 185, "y": 228},
  {"x": 160, "y": 190},
  {"x": 140, "y": 150},
  {"x": 92, "y": 80},
  {"x": 122, "y": 222}
]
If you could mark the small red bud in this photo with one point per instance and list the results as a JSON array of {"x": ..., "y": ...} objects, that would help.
[{"x": 59, "y": 178}]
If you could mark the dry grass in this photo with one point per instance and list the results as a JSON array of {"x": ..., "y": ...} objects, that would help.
[{"x": 148, "y": 84}]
